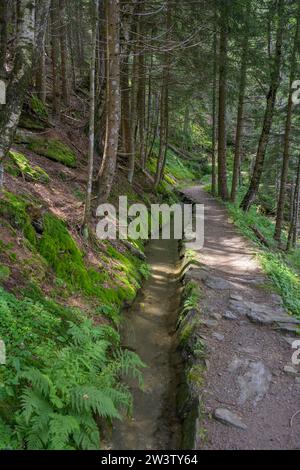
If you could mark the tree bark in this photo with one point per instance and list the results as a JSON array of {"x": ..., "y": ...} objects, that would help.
[
  {"x": 42, "y": 13},
  {"x": 164, "y": 105},
  {"x": 113, "y": 106},
  {"x": 286, "y": 146},
  {"x": 87, "y": 210},
  {"x": 64, "y": 53},
  {"x": 293, "y": 232},
  {"x": 3, "y": 35},
  {"x": 214, "y": 114},
  {"x": 222, "y": 159},
  {"x": 55, "y": 58},
  {"x": 240, "y": 117},
  {"x": 268, "y": 117},
  {"x": 19, "y": 80}
]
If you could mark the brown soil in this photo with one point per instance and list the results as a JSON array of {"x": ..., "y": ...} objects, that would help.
[{"x": 227, "y": 255}]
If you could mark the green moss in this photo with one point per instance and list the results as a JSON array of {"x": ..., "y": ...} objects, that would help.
[
  {"x": 196, "y": 375},
  {"x": 38, "y": 107},
  {"x": 27, "y": 122},
  {"x": 53, "y": 149},
  {"x": 14, "y": 209},
  {"x": 19, "y": 165},
  {"x": 4, "y": 273}
]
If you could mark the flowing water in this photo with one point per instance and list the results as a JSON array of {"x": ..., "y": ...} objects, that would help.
[{"x": 150, "y": 331}]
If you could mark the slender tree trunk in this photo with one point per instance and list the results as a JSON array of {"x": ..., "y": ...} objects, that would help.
[
  {"x": 293, "y": 232},
  {"x": 19, "y": 80},
  {"x": 134, "y": 106},
  {"x": 55, "y": 58},
  {"x": 87, "y": 211},
  {"x": 64, "y": 53},
  {"x": 214, "y": 114},
  {"x": 113, "y": 107},
  {"x": 240, "y": 118},
  {"x": 268, "y": 118},
  {"x": 286, "y": 146},
  {"x": 164, "y": 106},
  {"x": 222, "y": 159},
  {"x": 3, "y": 35},
  {"x": 141, "y": 103},
  {"x": 42, "y": 13}
]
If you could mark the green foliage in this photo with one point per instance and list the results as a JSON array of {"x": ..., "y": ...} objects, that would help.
[
  {"x": 53, "y": 149},
  {"x": 279, "y": 267},
  {"x": 285, "y": 280},
  {"x": 60, "y": 375},
  {"x": 191, "y": 297},
  {"x": 20, "y": 166}
]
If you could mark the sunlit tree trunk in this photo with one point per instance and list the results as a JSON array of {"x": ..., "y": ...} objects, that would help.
[
  {"x": 240, "y": 118},
  {"x": 87, "y": 211},
  {"x": 286, "y": 145},
  {"x": 113, "y": 106},
  {"x": 268, "y": 117},
  {"x": 222, "y": 160},
  {"x": 214, "y": 114}
]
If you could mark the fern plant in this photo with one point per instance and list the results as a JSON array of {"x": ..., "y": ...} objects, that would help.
[{"x": 59, "y": 402}]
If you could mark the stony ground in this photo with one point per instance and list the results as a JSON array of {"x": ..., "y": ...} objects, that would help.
[{"x": 252, "y": 388}]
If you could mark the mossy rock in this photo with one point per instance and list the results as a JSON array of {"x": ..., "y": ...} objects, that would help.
[
  {"x": 4, "y": 273},
  {"x": 18, "y": 165},
  {"x": 14, "y": 209},
  {"x": 53, "y": 149},
  {"x": 30, "y": 123},
  {"x": 34, "y": 114}
]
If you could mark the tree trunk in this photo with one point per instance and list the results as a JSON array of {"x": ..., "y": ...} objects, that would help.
[
  {"x": 240, "y": 118},
  {"x": 222, "y": 160},
  {"x": 268, "y": 118},
  {"x": 214, "y": 114},
  {"x": 55, "y": 58},
  {"x": 3, "y": 35},
  {"x": 87, "y": 211},
  {"x": 286, "y": 146},
  {"x": 42, "y": 13},
  {"x": 113, "y": 106},
  {"x": 164, "y": 106},
  {"x": 293, "y": 232},
  {"x": 19, "y": 80},
  {"x": 64, "y": 53}
]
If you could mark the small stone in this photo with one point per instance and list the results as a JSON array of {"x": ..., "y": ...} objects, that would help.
[
  {"x": 228, "y": 315},
  {"x": 229, "y": 418},
  {"x": 236, "y": 297},
  {"x": 218, "y": 336},
  {"x": 297, "y": 380},
  {"x": 209, "y": 323},
  {"x": 290, "y": 370},
  {"x": 289, "y": 340},
  {"x": 218, "y": 283},
  {"x": 216, "y": 316}
]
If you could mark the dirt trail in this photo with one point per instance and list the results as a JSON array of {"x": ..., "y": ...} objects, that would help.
[
  {"x": 150, "y": 330},
  {"x": 246, "y": 358}
]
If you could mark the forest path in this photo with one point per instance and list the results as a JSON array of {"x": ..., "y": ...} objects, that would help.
[{"x": 247, "y": 351}]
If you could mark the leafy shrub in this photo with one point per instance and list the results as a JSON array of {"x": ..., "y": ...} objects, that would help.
[{"x": 60, "y": 376}]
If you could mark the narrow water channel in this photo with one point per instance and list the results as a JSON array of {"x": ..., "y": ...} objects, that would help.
[{"x": 150, "y": 331}]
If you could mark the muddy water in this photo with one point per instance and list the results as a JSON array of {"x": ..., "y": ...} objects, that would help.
[{"x": 149, "y": 330}]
